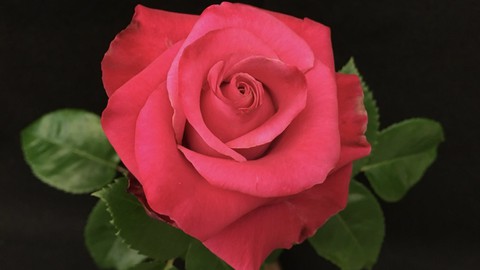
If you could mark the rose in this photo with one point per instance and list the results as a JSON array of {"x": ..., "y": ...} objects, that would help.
[{"x": 235, "y": 125}]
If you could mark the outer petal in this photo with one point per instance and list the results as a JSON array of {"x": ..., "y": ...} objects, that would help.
[
  {"x": 287, "y": 44},
  {"x": 315, "y": 34},
  {"x": 353, "y": 119},
  {"x": 172, "y": 186},
  {"x": 300, "y": 158},
  {"x": 246, "y": 243},
  {"x": 120, "y": 116},
  {"x": 149, "y": 34},
  {"x": 289, "y": 47}
]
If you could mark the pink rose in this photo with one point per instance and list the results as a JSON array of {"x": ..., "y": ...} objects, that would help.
[{"x": 235, "y": 124}]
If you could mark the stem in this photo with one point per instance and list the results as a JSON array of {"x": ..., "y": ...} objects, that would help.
[
  {"x": 272, "y": 266},
  {"x": 122, "y": 170},
  {"x": 169, "y": 264}
]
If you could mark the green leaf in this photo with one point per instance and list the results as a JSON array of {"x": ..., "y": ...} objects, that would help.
[
  {"x": 108, "y": 250},
  {"x": 272, "y": 260},
  {"x": 372, "y": 111},
  {"x": 403, "y": 153},
  {"x": 352, "y": 239},
  {"x": 274, "y": 256},
  {"x": 153, "y": 265},
  {"x": 68, "y": 150},
  {"x": 200, "y": 258},
  {"x": 170, "y": 267},
  {"x": 149, "y": 236}
]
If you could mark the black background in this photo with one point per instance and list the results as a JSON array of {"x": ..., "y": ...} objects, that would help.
[{"x": 420, "y": 58}]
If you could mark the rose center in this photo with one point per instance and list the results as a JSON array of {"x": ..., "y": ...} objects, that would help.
[
  {"x": 243, "y": 92},
  {"x": 233, "y": 103},
  {"x": 241, "y": 88}
]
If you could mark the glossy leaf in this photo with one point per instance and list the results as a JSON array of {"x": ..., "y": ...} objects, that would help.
[
  {"x": 149, "y": 236},
  {"x": 106, "y": 248},
  {"x": 352, "y": 239},
  {"x": 68, "y": 150},
  {"x": 403, "y": 153},
  {"x": 372, "y": 111},
  {"x": 200, "y": 258}
]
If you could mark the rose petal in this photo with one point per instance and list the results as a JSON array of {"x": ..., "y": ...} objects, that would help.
[
  {"x": 136, "y": 189},
  {"x": 225, "y": 115},
  {"x": 246, "y": 243},
  {"x": 315, "y": 34},
  {"x": 289, "y": 47},
  {"x": 149, "y": 34},
  {"x": 353, "y": 119},
  {"x": 193, "y": 68},
  {"x": 300, "y": 158},
  {"x": 172, "y": 186},
  {"x": 287, "y": 87},
  {"x": 120, "y": 115},
  {"x": 224, "y": 119}
]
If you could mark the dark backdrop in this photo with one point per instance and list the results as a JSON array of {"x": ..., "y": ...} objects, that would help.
[{"x": 420, "y": 57}]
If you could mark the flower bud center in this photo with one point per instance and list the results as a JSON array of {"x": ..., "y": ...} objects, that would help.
[{"x": 243, "y": 92}]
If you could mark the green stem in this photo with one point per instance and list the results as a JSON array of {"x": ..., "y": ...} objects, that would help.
[
  {"x": 122, "y": 170},
  {"x": 169, "y": 264}
]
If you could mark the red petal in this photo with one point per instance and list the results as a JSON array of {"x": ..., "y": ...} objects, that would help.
[
  {"x": 149, "y": 34},
  {"x": 300, "y": 158},
  {"x": 288, "y": 89},
  {"x": 287, "y": 44},
  {"x": 353, "y": 119},
  {"x": 120, "y": 116},
  {"x": 172, "y": 186},
  {"x": 224, "y": 116},
  {"x": 289, "y": 47},
  {"x": 193, "y": 68},
  {"x": 315, "y": 34},
  {"x": 246, "y": 243}
]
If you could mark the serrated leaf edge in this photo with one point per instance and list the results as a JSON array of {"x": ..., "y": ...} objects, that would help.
[
  {"x": 116, "y": 234},
  {"x": 98, "y": 194}
]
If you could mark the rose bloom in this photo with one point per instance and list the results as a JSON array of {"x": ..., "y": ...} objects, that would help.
[{"x": 234, "y": 124}]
